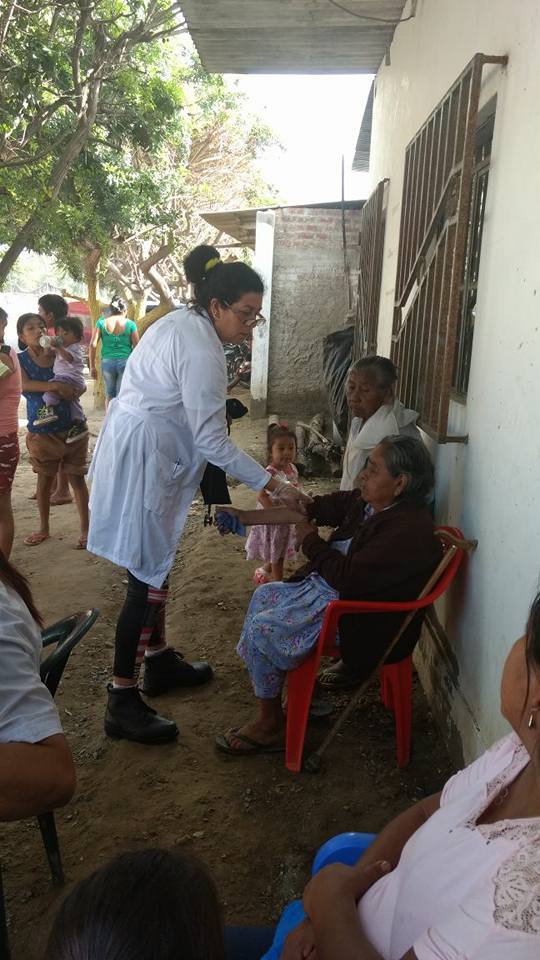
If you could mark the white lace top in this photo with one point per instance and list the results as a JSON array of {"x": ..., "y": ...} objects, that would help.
[{"x": 463, "y": 891}]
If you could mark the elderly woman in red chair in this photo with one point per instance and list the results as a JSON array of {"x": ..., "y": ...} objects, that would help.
[{"x": 383, "y": 548}]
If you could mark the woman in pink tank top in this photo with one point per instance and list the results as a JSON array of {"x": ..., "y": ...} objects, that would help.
[{"x": 10, "y": 395}]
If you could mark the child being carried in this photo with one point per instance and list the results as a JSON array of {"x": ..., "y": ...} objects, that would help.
[
  {"x": 274, "y": 544},
  {"x": 68, "y": 368}
]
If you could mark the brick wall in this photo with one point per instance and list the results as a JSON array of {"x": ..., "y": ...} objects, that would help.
[{"x": 309, "y": 300}]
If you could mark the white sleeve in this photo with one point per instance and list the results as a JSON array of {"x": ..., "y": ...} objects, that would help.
[
  {"x": 27, "y": 710},
  {"x": 482, "y": 770},
  {"x": 204, "y": 389}
]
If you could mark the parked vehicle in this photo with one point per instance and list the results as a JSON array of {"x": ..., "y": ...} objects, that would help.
[{"x": 238, "y": 356}]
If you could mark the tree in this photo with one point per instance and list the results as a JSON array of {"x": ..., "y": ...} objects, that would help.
[
  {"x": 118, "y": 184},
  {"x": 58, "y": 59},
  {"x": 127, "y": 211},
  {"x": 218, "y": 171}
]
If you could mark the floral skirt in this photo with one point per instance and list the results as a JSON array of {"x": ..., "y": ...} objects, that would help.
[
  {"x": 271, "y": 542},
  {"x": 282, "y": 626}
]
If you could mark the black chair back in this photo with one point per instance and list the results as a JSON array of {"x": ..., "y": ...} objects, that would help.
[{"x": 66, "y": 635}]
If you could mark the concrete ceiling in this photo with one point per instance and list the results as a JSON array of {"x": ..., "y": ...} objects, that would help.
[{"x": 291, "y": 36}]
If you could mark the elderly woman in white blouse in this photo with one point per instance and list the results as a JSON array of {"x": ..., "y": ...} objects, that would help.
[
  {"x": 376, "y": 414},
  {"x": 461, "y": 869}
]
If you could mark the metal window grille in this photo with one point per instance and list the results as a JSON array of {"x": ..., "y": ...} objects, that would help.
[
  {"x": 471, "y": 268},
  {"x": 439, "y": 165},
  {"x": 369, "y": 272}
]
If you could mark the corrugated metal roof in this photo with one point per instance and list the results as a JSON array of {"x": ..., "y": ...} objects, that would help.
[
  {"x": 241, "y": 224},
  {"x": 292, "y": 36},
  {"x": 363, "y": 144}
]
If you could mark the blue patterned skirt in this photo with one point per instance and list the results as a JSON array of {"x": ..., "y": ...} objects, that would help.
[{"x": 282, "y": 626}]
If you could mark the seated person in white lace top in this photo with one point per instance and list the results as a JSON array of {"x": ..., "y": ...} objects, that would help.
[
  {"x": 36, "y": 767},
  {"x": 463, "y": 880}
]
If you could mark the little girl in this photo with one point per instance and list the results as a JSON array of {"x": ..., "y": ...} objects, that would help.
[
  {"x": 68, "y": 368},
  {"x": 274, "y": 544}
]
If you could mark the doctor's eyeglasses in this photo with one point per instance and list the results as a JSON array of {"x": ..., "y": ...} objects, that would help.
[{"x": 248, "y": 318}]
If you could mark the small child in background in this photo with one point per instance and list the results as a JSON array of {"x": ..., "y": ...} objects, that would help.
[
  {"x": 274, "y": 544},
  {"x": 68, "y": 368}
]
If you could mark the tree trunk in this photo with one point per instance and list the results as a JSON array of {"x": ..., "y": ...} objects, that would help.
[
  {"x": 92, "y": 285},
  {"x": 151, "y": 317},
  {"x": 137, "y": 308}
]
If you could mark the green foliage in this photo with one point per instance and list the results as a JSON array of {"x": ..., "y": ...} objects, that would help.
[{"x": 167, "y": 139}]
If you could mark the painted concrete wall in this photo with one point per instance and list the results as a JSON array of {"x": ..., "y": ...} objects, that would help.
[
  {"x": 309, "y": 300},
  {"x": 491, "y": 487}
]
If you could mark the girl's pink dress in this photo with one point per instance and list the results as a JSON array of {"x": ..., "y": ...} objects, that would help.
[{"x": 270, "y": 543}]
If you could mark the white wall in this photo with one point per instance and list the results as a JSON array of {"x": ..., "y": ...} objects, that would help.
[
  {"x": 264, "y": 260},
  {"x": 491, "y": 487}
]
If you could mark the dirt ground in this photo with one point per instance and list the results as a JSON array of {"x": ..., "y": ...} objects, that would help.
[{"x": 254, "y": 823}]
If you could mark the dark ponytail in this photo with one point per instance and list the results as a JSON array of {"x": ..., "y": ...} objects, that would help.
[
  {"x": 213, "y": 279},
  {"x": 11, "y": 577},
  {"x": 117, "y": 306},
  {"x": 55, "y": 304}
]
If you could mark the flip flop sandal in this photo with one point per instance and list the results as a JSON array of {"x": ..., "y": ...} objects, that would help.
[
  {"x": 35, "y": 539},
  {"x": 330, "y": 680},
  {"x": 223, "y": 744},
  {"x": 61, "y": 501},
  {"x": 81, "y": 543}
]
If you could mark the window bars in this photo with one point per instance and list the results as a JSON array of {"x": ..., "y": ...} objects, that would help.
[
  {"x": 439, "y": 165},
  {"x": 471, "y": 266},
  {"x": 369, "y": 272}
]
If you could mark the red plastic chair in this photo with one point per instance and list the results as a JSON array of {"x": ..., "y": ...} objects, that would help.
[
  {"x": 396, "y": 694},
  {"x": 396, "y": 678}
]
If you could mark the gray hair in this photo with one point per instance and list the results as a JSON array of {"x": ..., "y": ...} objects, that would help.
[
  {"x": 379, "y": 369},
  {"x": 409, "y": 456}
]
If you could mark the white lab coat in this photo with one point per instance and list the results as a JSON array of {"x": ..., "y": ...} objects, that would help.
[
  {"x": 389, "y": 420},
  {"x": 166, "y": 424}
]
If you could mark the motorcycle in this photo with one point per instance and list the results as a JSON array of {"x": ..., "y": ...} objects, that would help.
[{"x": 238, "y": 357}]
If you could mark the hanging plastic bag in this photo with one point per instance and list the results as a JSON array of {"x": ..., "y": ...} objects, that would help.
[{"x": 337, "y": 358}]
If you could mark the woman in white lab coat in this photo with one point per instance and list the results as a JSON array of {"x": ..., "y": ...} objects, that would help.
[{"x": 166, "y": 424}]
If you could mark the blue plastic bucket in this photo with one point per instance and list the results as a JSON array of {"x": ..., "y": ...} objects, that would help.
[{"x": 345, "y": 848}]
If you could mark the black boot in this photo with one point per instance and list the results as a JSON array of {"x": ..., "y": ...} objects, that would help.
[
  {"x": 128, "y": 717},
  {"x": 169, "y": 670}
]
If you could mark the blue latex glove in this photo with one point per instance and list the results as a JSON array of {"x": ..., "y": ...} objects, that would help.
[{"x": 228, "y": 523}]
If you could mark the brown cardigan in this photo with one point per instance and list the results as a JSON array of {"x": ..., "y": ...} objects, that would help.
[{"x": 391, "y": 557}]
